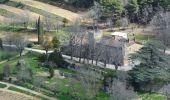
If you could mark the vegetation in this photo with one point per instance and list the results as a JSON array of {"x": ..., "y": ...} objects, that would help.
[
  {"x": 153, "y": 68},
  {"x": 5, "y": 55},
  {"x": 79, "y": 59},
  {"x": 25, "y": 92},
  {"x": 3, "y": 1},
  {"x": 151, "y": 96},
  {"x": 40, "y": 30},
  {"x": 3, "y": 85}
]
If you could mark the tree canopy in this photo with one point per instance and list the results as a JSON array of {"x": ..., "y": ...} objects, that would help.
[{"x": 154, "y": 67}]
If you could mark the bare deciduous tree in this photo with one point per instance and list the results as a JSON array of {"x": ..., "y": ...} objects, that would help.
[
  {"x": 90, "y": 81},
  {"x": 166, "y": 91},
  {"x": 38, "y": 82},
  {"x": 20, "y": 42},
  {"x": 46, "y": 44},
  {"x": 17, "y": 41},
  {"x": 6, "y": 70},
  {"x": 119, "y": 91},
  {"x": 73, "y": 36},
  {"x": 26, "y": 18},
  {"x": 25, "y": 73},
  {"x": 161, "y": 25}
]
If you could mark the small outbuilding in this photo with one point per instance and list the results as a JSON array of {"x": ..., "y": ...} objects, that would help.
[{"x": 120, "y": 34}]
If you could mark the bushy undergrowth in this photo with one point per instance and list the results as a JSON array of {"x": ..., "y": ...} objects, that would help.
[{"x": 6, "y": 55}]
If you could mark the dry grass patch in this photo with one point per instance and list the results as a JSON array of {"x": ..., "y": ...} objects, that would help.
[
  {"x": 24, "y": 13},
  {"x": 71, "y": 16},
  {"x": 11, "y": 95},
  {"x": 3, "y": 19}
]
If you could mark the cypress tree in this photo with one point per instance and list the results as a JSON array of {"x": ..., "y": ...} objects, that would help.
[{"x": 39, "y": 30}]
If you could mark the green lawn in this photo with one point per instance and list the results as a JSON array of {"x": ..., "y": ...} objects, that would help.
[
  {"x": 151, "y": 96},
  {"x": 15, "y": 28},
  {"x": 141, "y": 38},
  {"x": 4, "y": 55},
  {"x": 3, "y": 85},
  {"x": 102, "y": 96},
  {"x": 64, "y": 88},
  {"x": 107, "y": 33}
]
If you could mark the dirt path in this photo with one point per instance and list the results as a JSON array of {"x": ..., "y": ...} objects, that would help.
[
  {"x": 71, "y": 16},
  {"x": 28, "y": 90},
  {"x": 25, "y": 13}
]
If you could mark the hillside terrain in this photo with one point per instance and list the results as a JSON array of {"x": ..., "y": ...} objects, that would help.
[
  {"x": 84, "y": 50},
  {"x": 49, "y": 8}
]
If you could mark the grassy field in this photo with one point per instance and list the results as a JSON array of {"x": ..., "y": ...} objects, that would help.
[
  {"x": 151, "y": 96},
  {"x": 24, "y": 13},
  {"x": 63, "y": 84},
  {"x": 33, "y": 10},
  {"x": 8, "y": 14},
  {"x": 3, "y": 85},
  {"x": 3, "y": 19},
  {"x": 141, "y": 38},
  {"x": 4, "y": 55},
  {"x": 138, "y": 37}
]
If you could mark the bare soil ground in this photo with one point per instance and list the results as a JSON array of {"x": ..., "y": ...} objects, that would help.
[
  {"x": 12, "y": 95},
  {"x": 71, "y": 16},
  {"x": 25, "y": 13},
  {"x": 30, "y": 36},
  {"x": 3, "y": 19}
]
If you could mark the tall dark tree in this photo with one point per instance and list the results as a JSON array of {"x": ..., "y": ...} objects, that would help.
[
  {"x": 39, "y": 30},
  {"x": 153, "y": 67},
  {"x": 132, "y": 8},
  {"x": 113, "y": 6},
  {"x": 1, "y": 44}
]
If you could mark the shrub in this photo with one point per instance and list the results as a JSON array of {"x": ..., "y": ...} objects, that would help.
[
  {"x": 6, "y": 70},
  {"x": 2, "y": 85},
  {"x": 118, "y": 23},
  {"x": 51, "y": 71},
  {"x": 6, "y": 55},
  {"x": 1, "y": 76},
  {"x": 1, "y": 44},
  {"x": 42, "y": 58},
  {"x": 56, "y": 57},
  {"x": 65, "y": 21},
  {"x": 19, "y": 4},
  {"x": 3, "y": 1},
  {"x": 30, "y": 45}
]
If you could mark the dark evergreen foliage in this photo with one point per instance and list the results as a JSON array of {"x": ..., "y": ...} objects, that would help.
[{"x": 154, "y": 67}]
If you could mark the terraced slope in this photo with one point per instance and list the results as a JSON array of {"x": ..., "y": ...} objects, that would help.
[
  {"x": 20, "y": 12},
  {"x": 71, "y": 16}
]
